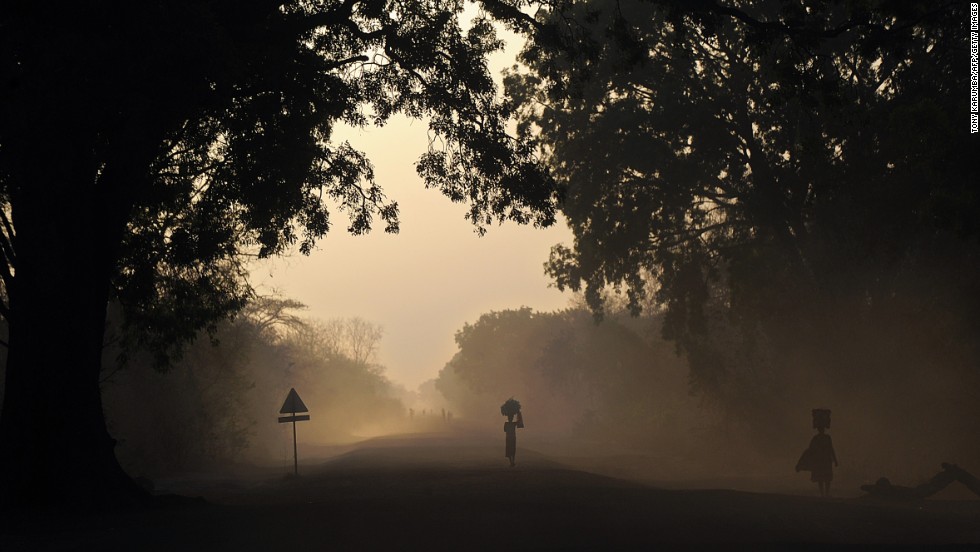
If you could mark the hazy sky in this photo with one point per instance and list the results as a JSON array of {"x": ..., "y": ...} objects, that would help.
[{"x": 425, "y": 282}]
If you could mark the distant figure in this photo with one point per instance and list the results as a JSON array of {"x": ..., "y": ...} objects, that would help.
[
  {"x": 819, "y": 458},
  {"x": 411, "y": 413},
  {"x": 444, "y": 414},
  {"x": 511, "y": 408},
  {"x": 510, "y": 428},
  {"x": 883, "y": 488}
]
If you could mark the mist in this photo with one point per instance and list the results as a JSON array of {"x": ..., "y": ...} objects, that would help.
[
  {"x": 612, "y": 397},
  {"x": 214, "y": 408},
  {"x": 617, "y": 397},
  {"x": 734, "y": 300}
]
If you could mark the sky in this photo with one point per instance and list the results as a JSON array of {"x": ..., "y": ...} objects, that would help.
[{"x": 424, "y": 283}]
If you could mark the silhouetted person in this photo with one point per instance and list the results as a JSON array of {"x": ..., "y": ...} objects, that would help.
[
  {"x": 884, "y": 490},
  {"x": 510, "y": 428},
  {"x": 444, "y": 414},
  {"x": 411, "y": 413},
  {"x": 819, "y": 458}
]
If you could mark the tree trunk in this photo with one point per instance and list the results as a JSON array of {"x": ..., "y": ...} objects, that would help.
[
  {"x": 55, "y": 446},
  {"x": 91, "y": 111},
  {"x": 55, "y": 450}
]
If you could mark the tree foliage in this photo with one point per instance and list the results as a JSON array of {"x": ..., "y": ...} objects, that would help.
[
  {"x": 791, "y": 177},
  {"x": 604, "y": 383},
  {"x": 148, "y": 149},
  {"x": 216, "y": 406},
  {"x": 236, "y": 117}
]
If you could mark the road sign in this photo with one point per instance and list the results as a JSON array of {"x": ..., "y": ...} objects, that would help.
[
  {"x": 287, "y": 419},
  {"x": 293, "y": 403}
]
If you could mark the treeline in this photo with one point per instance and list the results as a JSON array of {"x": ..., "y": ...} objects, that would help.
[
  {"x": 792, "y": 185},
  {"x": 618, "y": 387},
  {"x": 217, "y": 403},
  {"x": 616, "y": 382}
]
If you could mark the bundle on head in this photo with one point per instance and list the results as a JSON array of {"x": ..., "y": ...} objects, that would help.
[
  {"x": 821, "y": 418},
  {"x": 510, "y": 408}
]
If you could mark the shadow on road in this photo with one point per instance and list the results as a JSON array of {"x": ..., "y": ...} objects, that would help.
[{"x": 457, "y": 492}]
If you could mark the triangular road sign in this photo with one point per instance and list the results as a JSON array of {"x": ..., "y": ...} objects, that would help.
[{"x": 293, "y": 403}]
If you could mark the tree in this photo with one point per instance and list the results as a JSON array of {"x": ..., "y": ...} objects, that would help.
[
  {"x": 353, "y": 337},
  {"x": 604, "y": 382},
  {"x": 146, "y": 148},
  {"x": 215, "y": 405},
  {"x": 791, "y": 177}
]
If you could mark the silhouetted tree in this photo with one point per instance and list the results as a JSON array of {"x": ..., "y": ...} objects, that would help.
[
  {"x": 354, "y": 337},
  {"x": 146, "y": 147},
  {"x": 791, "y": 177},
  {"x": 604, "y": 382},
  {"x": 216, "y": 404}
]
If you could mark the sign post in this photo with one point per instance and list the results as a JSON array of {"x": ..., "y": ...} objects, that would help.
[{"x": 291, "y": 406}]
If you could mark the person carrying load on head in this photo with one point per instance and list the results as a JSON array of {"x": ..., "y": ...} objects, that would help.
[
  {"x": 820, "y": 458},
  {"x": 511, "y": 408}
]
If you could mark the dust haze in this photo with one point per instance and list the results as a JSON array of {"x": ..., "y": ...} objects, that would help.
[
  {"x": 759, "y": 322},
  {"x": 611, "y": 397}
]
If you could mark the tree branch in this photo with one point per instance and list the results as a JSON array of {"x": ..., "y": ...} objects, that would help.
[
  {"x": 7, "y": 238},
  {"x": 308, "y": 22},
  {"x": 512, "y": 14},
  {"x": 5, "y": 310},
  {"x": 774, "y": 26},
  {"x": 352, "y": 59}
]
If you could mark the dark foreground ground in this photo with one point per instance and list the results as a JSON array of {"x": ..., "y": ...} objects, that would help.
[{"x": 439, "y": 493}]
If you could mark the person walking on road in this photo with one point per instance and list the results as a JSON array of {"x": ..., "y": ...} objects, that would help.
[{"x": 511, "y": 409}]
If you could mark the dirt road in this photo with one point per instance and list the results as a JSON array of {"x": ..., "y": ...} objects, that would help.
[{"x": 441, "y": 493}]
